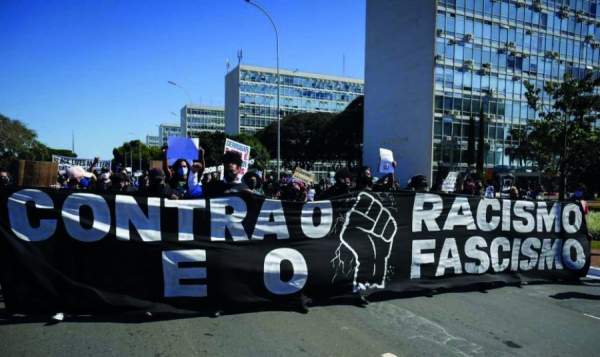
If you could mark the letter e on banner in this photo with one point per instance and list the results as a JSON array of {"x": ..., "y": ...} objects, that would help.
[
  {"x": 173, "y": 274},
  {"x": 272, "y": 274}
]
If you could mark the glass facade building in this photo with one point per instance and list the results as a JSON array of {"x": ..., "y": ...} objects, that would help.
[
  {"x": 486, "y": 49},
  {"x": 463, "y": 56},
  {"x": 197, "y": 118},
  {"x": 167, "y": 130},
  {"x": 153, "y": 141},
  {"x": 251, "y": 95}
]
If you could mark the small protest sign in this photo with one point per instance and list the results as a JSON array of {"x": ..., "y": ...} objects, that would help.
[
  {"x": 449, "y": 184},
  {"x": 64, "y": 162},
  {"x": 183, "y": 148},
  {"x": 303, "y": 175},
  {"x": 243, "y": 150},
  {"x": 386, "y": 158}
]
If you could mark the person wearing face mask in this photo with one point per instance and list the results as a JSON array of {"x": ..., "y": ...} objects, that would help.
[
  {"x": 177, "y": 176},
  {"x": 104, "y": 183},
  {"x": 232, "y": 162},
  {"x": 4, "y": 178},
  {"x": 254, "y": 182}
]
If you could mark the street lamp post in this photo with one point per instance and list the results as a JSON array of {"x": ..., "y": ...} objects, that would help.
[
  {"x": 278, "y": 89},
  {"x": 139, "y": 151},
  {"x": 177, "y": 85}
]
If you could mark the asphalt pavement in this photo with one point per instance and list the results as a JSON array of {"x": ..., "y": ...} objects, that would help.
[{"x": 532, "y": 320}]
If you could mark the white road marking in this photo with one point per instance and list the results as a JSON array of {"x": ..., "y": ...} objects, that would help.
[
  {"x": 593, "y": 277},
  {"x": 388, "y": 355},
  {"x": 592, "y": 316}
]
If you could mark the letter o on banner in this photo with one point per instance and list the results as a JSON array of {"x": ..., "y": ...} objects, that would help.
[
  {"x": 272, "y": 274},
  {"x": 306, "y": 219},
  {"x": 566, "y": 218},
  {"x": 19, "y": 221},
  {"x": 72, "y": 219},
  {"x": 566, "y": 254}
]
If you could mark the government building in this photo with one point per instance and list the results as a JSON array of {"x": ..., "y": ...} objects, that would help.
[
  {"x": 251, "y": 96},
  {"x": 431, "y": 64}
]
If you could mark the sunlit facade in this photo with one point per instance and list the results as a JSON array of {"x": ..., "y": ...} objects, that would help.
[
  {"x": 153, "y": 141},
  {"x": 251, "y": 95},
  {"x": 168, "y": 130},
  {"x": 483, "y": 52},
  {"x": 199, "y": 118}
]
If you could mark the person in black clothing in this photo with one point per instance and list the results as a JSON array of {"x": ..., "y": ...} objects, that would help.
[
  {"x": 5, "y": 179},
  {"x": 118, "y": 183},
  {"x": 177, "y": 177},
  {"x": 418, "y": 183},
  {"x": 157, "y": 186},
  {"x": 341, "y": 186},
  {"x": 232, "y": 162},
  {"x": 364, "y": 181}
]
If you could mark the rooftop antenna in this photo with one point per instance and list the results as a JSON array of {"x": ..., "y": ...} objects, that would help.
[
  {"x": 227, "y": 65},
  {"x": 73, "y": 141},
  {"x": 240, "y": 54},
  {"x": 343, "y": 65}
]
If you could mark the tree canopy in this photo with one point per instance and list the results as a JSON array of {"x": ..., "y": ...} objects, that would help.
[
  {"x": 565, "y": 139},
  {"x": 308, "y": 138}
]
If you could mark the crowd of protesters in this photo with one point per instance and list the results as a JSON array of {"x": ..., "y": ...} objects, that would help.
[{"x": 183, "y": 180}]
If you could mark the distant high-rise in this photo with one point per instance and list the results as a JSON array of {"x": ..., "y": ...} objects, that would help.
[
  {"x": 431, "y": 64},
  {"x": 153, "y": 141},
  {"x": 251, "y": 95},
  {"x": 199, "y": 118},
  {"x": 168, "y": 130}
]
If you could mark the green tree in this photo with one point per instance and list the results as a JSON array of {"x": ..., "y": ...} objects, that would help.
[
  {"x": 61, "y": 152},
  {"x": 129, "y": 153},
  {"x": 302, "y": 143},
  {"x": 258, "y": 153},
  {"x": 566, "y": 125},
  {"x": 213, "y": 145},
  {"x": 343, "y": 137},
  {"x": 15, "y": 139}
]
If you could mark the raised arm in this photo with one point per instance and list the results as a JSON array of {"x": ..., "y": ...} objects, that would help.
[{"x": 166, "y": 169}]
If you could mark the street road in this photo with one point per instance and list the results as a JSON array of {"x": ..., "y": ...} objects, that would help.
[{"x": 533, "y": 320}]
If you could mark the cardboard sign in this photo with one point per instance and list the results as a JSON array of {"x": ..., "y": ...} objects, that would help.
[
  {"x": 449, "y": 184},
  {"x": 36, "y": 173},
  {"x": 386, "y": 158},
  {"x": 243, "y": 150},
  {"x": 303, "y": 175}
]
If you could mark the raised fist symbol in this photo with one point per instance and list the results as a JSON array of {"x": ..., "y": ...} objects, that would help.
[{"x": 366, "y": 242}]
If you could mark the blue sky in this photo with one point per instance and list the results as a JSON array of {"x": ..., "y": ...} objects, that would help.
[{"x": 100, "y": 67}]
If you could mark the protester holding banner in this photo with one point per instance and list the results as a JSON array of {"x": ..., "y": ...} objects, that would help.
[
  {"x": 158, "y": 187},
  {"x": 364, "y": 181},
  {"x": 104, "y": 183},
  {"x": 232, "y": 163},
  {"x": 254, "y": 182},
  {"x": 341, "y": 186}
]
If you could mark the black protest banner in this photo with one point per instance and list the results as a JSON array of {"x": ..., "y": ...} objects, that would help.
[{"x": 84, "y": 252}]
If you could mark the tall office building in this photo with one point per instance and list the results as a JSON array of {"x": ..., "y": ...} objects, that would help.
[
  {"x": 198, "y": 118},
  {"x": 153, "y": 141},
  {"x": 251, "y": 95},
  {"x": 431, "y": 64},
  {"x": 167, "y": 130}
]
